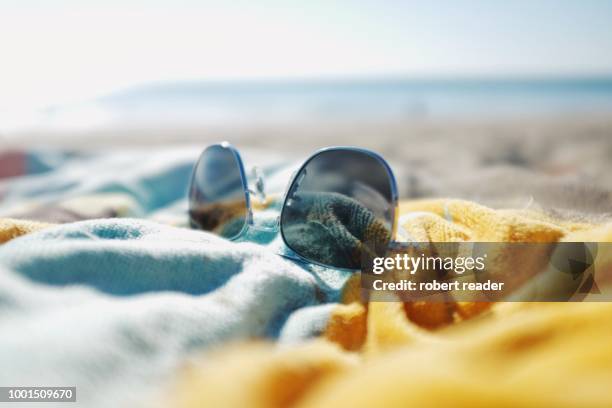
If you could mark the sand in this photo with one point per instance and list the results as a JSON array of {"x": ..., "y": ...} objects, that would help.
[{"x": 561, "y": 164}]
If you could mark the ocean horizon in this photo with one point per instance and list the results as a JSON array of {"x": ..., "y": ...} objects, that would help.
[{"x": 192, "y": 103}]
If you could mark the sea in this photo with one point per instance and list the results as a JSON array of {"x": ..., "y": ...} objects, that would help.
[{"x": 245, "y": 103}]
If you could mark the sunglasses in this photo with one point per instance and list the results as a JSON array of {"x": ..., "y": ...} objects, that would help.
[{"x": 340, "y": 204}]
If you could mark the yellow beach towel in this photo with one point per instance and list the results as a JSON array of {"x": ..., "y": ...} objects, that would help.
[
  {"x": 10, "y": 228},
  {"x": 428, "y": 355}
]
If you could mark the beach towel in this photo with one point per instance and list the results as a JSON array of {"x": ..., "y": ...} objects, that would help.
[
  {"x": 140, "y": 305},
  {"x": 10, "y": 228},
  {"x": 386, "y": 354}
]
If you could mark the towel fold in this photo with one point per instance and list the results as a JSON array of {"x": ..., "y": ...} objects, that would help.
[{"x": 122, "y": 301}]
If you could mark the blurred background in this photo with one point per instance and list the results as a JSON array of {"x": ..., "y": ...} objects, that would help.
[
  {"x": 106, "y": 104},
  {"x": 463, "y": 97}
]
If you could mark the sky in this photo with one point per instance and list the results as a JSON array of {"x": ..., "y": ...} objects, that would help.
[{"x": 54, "y": 52}]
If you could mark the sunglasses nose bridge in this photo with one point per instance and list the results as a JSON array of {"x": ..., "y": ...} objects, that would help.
[
  {"x": 271, "y": 224},
  {"x": 264, "y": 216}
]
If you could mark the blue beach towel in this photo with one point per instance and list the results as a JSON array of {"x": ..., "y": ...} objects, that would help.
[{"x": 118, "y": 303}]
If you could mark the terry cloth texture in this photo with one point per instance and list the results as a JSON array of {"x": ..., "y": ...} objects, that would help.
[
  {"x": 10, "y": 228},
  {"x": 146, "y": 309},
  {"x": 121, "y": 302}
]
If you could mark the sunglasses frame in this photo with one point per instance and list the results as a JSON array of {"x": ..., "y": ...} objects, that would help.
[{"x": 290, "y": 252}]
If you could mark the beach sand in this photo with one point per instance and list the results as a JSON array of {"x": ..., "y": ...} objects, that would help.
[{"x": 561, "y": 164}]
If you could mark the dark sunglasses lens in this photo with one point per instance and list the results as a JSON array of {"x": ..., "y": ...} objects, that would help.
[
  {"x": 339, "y": 205},
  {"x": 217, "y": 201}
]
